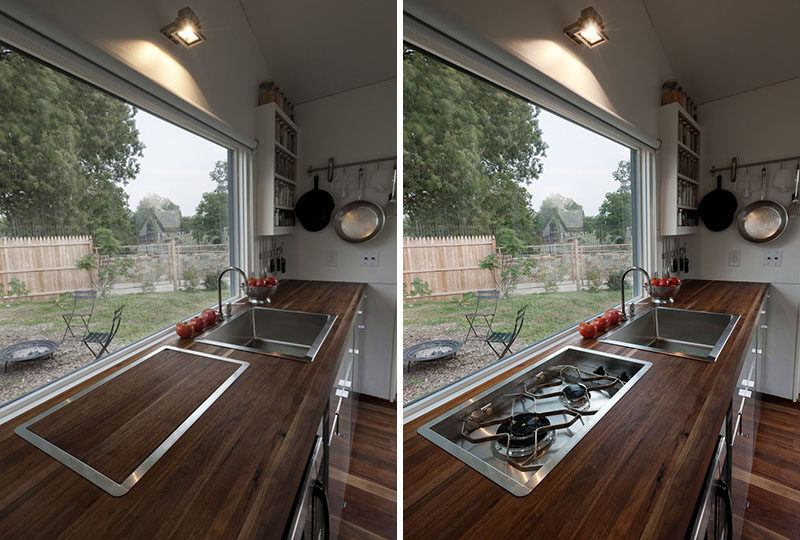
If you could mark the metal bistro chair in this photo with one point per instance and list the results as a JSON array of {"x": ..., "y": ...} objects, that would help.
[
  {"x": 506, "y": 338},
  {"x": 486, "y": 307},
  {"x": 104, "y": 338},
  {"x": 80, "y": 300}
]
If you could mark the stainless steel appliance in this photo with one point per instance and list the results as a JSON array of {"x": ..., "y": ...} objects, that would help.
[
  {"x": 311, "y": 517},
  {"x": 517, "y": 431},
  {"x": 713, "y": 519}
]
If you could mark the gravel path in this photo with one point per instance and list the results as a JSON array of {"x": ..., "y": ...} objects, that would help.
[
  {"x": 425, "y": 377},
  {"x": 23, "y": 377}
]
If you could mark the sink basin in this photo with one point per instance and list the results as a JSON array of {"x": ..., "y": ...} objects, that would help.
[
  {"x": 296, "y": 335},
  {"x": 699, "y": 335}
]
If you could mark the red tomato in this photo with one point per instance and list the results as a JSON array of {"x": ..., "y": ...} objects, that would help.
[
  {"x": 587, "y": 330},
  {"x": 654, "y": 282},
  {"x": 184, "y": 330},
  {"x": 673, "y": 281},
  {"x": 210, "y": 316},
  {"x": 612, "y": 315},
  {"x": 198, "y": 323},
  {"x": 251, "y": 282},
  {"x": 601, "y": 323},
  {"x": 271, "y": 281},
  {"x": 662, "y": 283},
  {"x": 261, "y": 282}
]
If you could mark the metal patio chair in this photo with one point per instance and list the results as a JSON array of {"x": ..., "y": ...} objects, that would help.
[
  {"x": 506, "y": 339},
  {"x": 485, "y": 307},
  {"x": 82, "y": 302},
  {"x": 104, "y": 338}
]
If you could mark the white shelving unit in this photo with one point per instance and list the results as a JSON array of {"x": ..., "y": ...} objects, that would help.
[
  {"x": 679, "y": 171},
  {"x": 276, "y": 171}
]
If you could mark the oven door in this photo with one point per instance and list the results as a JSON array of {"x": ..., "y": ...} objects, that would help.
[
  {"x": 311, "y": 518},
  {"x": 714, "y": 514}
]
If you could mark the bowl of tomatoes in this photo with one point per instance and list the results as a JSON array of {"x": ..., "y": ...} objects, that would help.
[
  {"x": 664, "y": 290},
  {"x": 261, "y": 290}
]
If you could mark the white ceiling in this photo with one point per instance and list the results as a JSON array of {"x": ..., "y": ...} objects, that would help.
[
  {"x": 315, "y": 48},
  {"x": 719, "y": 48}
]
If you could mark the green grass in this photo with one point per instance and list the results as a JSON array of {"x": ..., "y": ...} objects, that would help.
[
  {"x": 547, "y": 314},
  {"x": 143, "y": 315}
]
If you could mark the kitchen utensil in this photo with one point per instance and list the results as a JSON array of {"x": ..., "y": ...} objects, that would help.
[
  {"x": 282, "y": 259},
  {"x": 314, "y": 208},
  {"x": 664, "y": 295},
  {"x": 782, "y": 180},
  {"x": 391, "y": 206},
  {"x": 718, "y": 208},
  {"x": 763, "y": 220},
  {"x": 733, "y": 170},
  {"x": 794, "y": 206},
  {"x": 360, "y": 220},
  {"x": 675, "y": 256}
]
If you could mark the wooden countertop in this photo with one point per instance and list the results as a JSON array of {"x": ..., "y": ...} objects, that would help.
[
  {"x": 637, "y": 473},
  {"x": 234, "y": 473}
]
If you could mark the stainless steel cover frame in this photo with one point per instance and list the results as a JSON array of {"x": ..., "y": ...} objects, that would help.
[
  {"x": 498, "y": 476},
  {"x": 311, "y": 353},
  {"x": 93, "y": 475},
  {"x": 713, "y": 352}
]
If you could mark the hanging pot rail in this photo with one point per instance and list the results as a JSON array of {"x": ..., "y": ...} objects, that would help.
[
  {"x": 331, "y": 165},
  {"x": 755, "y": 163}
]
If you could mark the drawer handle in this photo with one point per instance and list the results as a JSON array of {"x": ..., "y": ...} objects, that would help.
[
  {"x": 763, "y": 326},
  {"x": 756, "y": 351},
  {"x": 345, "y": 383},
  {"x": 361, "y": 327},
  {"x": 342, "y": 393},
  {"x": 352, "y": 351},
  {"x": 361, "y": 312},
  {"x": 745, "y": 393},
  {"x": 334, "y": 429}
]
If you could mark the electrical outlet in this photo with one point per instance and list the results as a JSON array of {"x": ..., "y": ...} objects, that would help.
[
  {"x": 370, "y": 257},
  {"x": 330, "y": 258},
  {"x": 773, "y": 257},
  {"x": 734, "y": 257}
]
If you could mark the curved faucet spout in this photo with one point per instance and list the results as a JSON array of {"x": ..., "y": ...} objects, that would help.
[
  {"x": 219, "y": 286},
  {"x": 622, "y": 286}
]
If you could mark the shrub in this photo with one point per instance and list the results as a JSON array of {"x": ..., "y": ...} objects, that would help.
[
  {"x": 16, "y": 288},
  {"x": 191, "y": 278},
  {"x": 613, "y": 280},
  {"x": 210, "y": 281},
  {"x": 595, "y": 279},
  {"x": 509, "y": 265},
  {"x": 106, "y": 268},
  {"x": 420, "y": 288}
]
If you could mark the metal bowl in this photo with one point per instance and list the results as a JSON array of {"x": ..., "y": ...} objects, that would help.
[
  {"x": 261, "y": 295},
  {"x": 664, "y": 295}
]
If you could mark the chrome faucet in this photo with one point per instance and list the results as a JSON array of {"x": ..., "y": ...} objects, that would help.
[
  {"x": 622, "y": 287},
  {"x": 219, "y": 286}
]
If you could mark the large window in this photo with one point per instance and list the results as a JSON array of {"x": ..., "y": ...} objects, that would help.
[
  {"x": 99, "y": 195},
  {"x": 501, "y": 194}
]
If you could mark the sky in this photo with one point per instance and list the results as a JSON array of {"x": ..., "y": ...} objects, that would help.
[
  {"x": 176, "y": 164},
  {"x": 578, "y": 165}
]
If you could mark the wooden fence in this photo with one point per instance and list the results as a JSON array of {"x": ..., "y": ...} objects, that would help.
[
  {"x": 448, "y": 264},
  {"x": 45, "y": 265}
]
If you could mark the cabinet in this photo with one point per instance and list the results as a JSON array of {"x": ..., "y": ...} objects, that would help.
[
  {"x": 679, "y": 171},
  {"x": 746, "y": 411},
  {"x": 276, "y": 171},
  {"x": 343, "y": 414}
]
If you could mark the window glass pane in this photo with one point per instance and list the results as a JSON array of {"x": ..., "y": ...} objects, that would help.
[
  {"x": 500, "y": 194},
  {"x": 98, "y": 195}
]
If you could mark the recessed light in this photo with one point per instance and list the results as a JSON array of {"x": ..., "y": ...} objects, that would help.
[
  {"x": 588, "y": 30},
  {"x": 185, "y": 30}
]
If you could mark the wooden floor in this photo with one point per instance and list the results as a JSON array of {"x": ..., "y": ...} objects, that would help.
[
  {"x": 774, "y": 493},
  {"x": 371, "y": 492}
]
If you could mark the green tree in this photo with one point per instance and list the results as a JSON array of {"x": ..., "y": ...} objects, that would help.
[
  {"x": 615, "y": 216},
  {"x": 470, "y": 150},
  {"x": 66, "y": 150},
  {"x": 211, "y": 221},
  {"x": 105, "y": 267},
  {"x": 510, "y": 264}
]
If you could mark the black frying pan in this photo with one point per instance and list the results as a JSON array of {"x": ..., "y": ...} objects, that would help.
[
  {"x": 718, "y": 208},
  {"x": 314, "y": 208}
]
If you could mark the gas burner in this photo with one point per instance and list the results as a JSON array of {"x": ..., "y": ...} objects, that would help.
[
  {"x": 523, "y": 439},
  {"x": 575, "y": 397}
]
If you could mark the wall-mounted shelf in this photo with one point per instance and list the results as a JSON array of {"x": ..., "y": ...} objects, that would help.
[
  {"x": 276, "y": 171},
  {"x": 678, "y": 171}
]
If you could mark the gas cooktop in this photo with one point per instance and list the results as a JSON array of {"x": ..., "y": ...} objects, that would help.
[{"x": 517, "y": 431}]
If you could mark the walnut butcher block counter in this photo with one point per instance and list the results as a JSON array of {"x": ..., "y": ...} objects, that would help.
[
  {"x": 234, "y": 473},
  {"x": 637, "y": 473}
]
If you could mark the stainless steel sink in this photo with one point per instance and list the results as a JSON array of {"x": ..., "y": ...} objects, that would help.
[
  {"x": 699, "y": 335},
  {"x": 297, "y": 335}
]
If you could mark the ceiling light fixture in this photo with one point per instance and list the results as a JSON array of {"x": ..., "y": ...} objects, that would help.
[
  {"x": 185, "y": 30},
  {"x": 589, "y": 29}
]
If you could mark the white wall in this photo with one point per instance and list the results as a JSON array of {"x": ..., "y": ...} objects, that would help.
[
  {"x": 758, "y": 125},
  {"x": 219, "y": 77},
  {"x": 351, "y": 126}
]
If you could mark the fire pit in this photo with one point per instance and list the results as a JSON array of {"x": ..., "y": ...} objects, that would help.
[
  {"x": 27, "y": 350},
  {"x": 430, "y": 350}
]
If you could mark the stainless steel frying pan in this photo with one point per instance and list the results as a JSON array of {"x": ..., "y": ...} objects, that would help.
[
  {"x": 361, "y": 220},
  {"x": 762, "y": 221}
]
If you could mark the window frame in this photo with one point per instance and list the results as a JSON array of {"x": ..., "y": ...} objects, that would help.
[
  {"x": 461, "y": 57},
  {"x": 240, "y": 182}
]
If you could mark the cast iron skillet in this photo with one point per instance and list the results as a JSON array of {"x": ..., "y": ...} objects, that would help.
[
  {"x": 314, "y": 208},
  {"x": 718, "y": 208}
]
